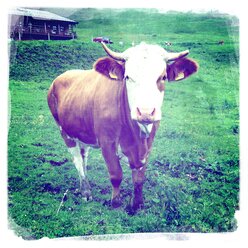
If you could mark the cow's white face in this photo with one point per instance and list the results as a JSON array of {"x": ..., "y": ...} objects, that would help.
[{"x": 145, "y": 71}]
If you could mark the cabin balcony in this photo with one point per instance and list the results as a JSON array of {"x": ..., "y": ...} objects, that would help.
[{"x": 42, "y": 32}]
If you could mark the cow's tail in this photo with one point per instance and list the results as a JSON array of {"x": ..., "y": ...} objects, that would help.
[{"x": 53, "y": 102}]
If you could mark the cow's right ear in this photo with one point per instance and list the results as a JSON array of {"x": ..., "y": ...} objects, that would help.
[{"x": 110, "y": 68}]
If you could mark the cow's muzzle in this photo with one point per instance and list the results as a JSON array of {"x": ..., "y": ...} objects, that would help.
[{"x": 146, "y": 115}]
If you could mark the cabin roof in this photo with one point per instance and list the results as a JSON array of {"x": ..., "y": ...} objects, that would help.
[{"x": 39, "y": 14}]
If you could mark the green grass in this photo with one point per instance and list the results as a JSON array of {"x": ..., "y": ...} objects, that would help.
[
  {"x": 138, "y": 25},
  {"x": 193, "y": 173}
]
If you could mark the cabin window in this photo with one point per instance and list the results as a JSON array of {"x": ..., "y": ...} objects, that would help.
[{"x": 54, "y": 29}]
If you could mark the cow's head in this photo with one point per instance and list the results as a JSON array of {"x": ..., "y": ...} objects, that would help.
[{"x": 145, "y": 68}]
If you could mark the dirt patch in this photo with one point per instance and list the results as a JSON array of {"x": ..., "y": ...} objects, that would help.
[
  {"x": 58, "y": 163},
  {"x": 48, "y": 187}
]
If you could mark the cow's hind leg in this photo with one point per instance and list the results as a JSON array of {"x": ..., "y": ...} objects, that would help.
[
  {"x": 80, "y": 160},
  {"x": 79, "y": 153}
]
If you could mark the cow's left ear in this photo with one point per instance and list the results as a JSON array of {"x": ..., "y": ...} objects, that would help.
[
  {"x": 181, "y": 69},
  {"x": 110, "y": 68}
]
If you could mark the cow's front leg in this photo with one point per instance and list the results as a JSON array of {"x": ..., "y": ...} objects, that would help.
[
  {"x": 109, "y": 152},
  {"x": 138, "y": 176}
]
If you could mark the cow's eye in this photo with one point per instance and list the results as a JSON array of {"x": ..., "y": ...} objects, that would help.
[
  {"x": 164, "y": 78},
  {"x": 129, "y": 79}
]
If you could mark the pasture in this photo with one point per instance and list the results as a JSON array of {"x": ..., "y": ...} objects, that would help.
[{"x": 192, "y": 179}]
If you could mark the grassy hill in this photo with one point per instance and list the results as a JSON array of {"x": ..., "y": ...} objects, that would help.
[
  {"x": 198, "y": 32},
  {"x": 137, "y": 25}
]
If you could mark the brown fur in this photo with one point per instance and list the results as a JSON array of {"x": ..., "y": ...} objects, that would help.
[
  {"x": 161, "y": 81},
  {"x": 107, "y": 65}
]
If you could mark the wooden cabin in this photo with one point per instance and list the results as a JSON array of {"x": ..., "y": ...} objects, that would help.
[{"x": 32, "y": 24}]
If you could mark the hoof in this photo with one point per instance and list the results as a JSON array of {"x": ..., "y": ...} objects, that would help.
[
  {"x": 86, "y": 196},
  {"x": 137, "y": 205},
  {"x": 86, "y": 199},
  {"x": 116, "y": 202}
]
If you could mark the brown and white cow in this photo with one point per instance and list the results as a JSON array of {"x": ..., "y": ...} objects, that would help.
[{"x": 116, "y": 106}]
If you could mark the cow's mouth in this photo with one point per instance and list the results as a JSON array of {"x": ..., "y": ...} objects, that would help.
[{"x": 145, "y": 122}]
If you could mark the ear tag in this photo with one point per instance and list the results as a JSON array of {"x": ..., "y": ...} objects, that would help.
[
  {"x": 112, "y": 76},
  {"x": 179, "y": 76}
]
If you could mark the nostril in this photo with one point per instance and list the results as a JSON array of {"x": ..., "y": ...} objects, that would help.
[
  {"x": 139, "y": 112},
  {"x": 153, "y": 112}
]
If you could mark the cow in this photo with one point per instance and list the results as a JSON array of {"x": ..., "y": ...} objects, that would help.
[
  {"x": 167, "y": 43},
  {"x": 102, "y": 39},
  {"x": 221, "y": 42},
  {"x": 116, "y": 106}
]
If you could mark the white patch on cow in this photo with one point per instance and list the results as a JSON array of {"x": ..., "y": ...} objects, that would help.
[
  {"x": 145, "y": 128},
  {"x": 86, "y": 155},
  {"x": 122, "y": 157},
  {"x": 143, "y": 161},
  {"x": 82, "y": 144},
  {"x": 78, "y": 161},
  {"x": 138, "y": 169},
  {"x": 144, "y": 64}
]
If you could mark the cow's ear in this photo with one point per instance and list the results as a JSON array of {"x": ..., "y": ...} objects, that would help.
[
  {"x": 181, "y": 69},
  {"x": 110, "y": 68}
]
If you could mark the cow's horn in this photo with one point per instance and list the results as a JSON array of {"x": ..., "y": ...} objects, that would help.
[
  {"x": 112, "y": 54},
  {"x": 174, "y": 56}
]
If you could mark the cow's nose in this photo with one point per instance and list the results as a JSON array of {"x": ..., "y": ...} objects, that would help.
[{"x": 146, "y": 115}]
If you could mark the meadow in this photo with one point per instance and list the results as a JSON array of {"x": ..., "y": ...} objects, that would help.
[{"x": 192, "y": 180}]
